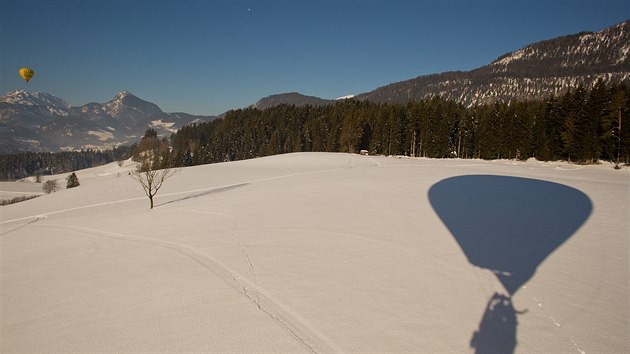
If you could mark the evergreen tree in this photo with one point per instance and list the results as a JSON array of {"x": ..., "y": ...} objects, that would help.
[
  {"x": 351, "y": 132},
  {"x": 73, "y": 181}
]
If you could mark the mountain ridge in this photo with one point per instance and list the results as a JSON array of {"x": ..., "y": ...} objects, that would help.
[
  {"x": 548, "y": 67},
  {"x": 535, "y": 71},
  {"x": 290, "y": 98}
]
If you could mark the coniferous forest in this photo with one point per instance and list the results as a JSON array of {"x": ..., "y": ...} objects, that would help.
[
  {"x": 581, "y": 126},
  {"x": 17, "y": 166}
]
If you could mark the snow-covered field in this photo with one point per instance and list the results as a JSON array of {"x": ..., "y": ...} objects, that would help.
[{"x": 323, "y": 253}]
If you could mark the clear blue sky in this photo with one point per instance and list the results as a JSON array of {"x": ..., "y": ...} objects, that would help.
[{"x": 206, "y": 57}]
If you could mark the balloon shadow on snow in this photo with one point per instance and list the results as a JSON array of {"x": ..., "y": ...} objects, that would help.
[{"x": 508, "y": 225}]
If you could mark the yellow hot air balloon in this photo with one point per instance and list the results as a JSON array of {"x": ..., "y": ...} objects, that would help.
[{"x": 27, "y": 74}]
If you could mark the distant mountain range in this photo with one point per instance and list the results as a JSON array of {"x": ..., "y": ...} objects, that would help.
[
  {"x": 43, "y": 122},
  {"x": 536, "y": 71}
]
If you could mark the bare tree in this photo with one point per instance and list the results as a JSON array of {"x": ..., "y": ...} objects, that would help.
[
  {"x": 152, "y": 155},
  {"x": 151, "y": 179},
  {"x": 50, "y": 186}
]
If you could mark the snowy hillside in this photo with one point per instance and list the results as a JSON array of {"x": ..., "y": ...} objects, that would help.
[
  {"x": 322, "y": 253},
  {"x": 535, "y": 72},
  {"x": 22, "y": 97}
]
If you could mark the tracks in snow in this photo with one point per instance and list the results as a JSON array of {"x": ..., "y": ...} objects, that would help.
[
  {"x": 271, "y": 307},
  {"x": 252, "y": 271},
  {"x": 312, "y": 341},
  {"x": 539, "y": 304}
]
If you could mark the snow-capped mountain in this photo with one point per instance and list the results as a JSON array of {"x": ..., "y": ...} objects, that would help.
[
  {"x": 26, "y": 98},
  {"x": 124, "y": 112},
  {"x": 536, "y": 71},
  {"x": 43, "y": 122},
  {"x": 125, "y": 104},
  {"x": 600, "y": 51}
]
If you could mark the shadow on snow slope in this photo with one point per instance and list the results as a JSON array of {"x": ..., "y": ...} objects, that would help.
[
  {"x": 203, "y": 193},
  {"x": 508, "y": 225}
]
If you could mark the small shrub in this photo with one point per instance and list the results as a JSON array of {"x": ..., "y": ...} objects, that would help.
[
  {"x": 17, "y": 199},
  {"x": 50, "y": 186}
]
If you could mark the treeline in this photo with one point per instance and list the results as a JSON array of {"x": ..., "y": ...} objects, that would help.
[
  {"x": 17, "y": 166},
  {"x": 580, "y": 126}
]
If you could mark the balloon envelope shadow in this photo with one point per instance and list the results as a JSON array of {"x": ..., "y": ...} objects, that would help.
[{"x": 508, "y": 225}]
